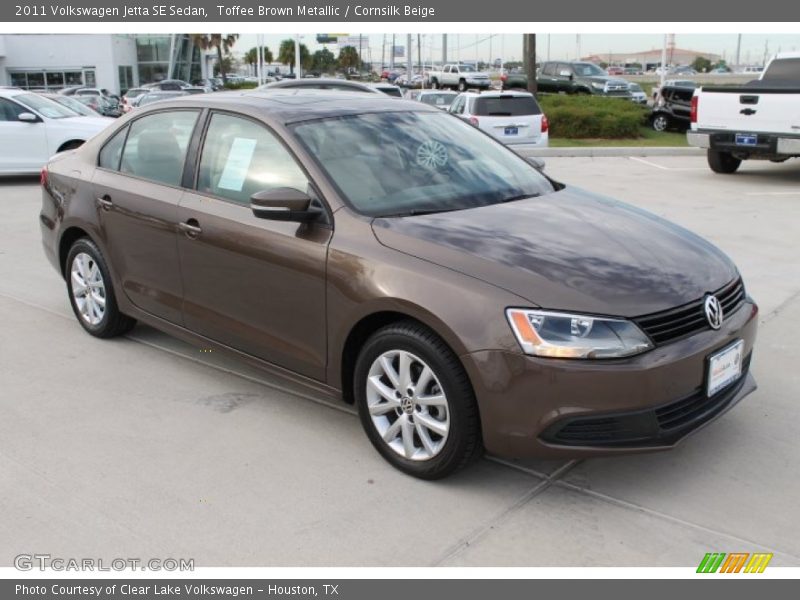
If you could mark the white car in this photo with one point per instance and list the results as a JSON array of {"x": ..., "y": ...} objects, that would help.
[
  {"x": 637, "y": 93},
  {"x": 34, "y": 128},
  {"x": 513, "y": 117}
]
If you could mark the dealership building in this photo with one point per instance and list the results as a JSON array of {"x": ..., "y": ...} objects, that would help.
[{"x": 112, "y": 61}]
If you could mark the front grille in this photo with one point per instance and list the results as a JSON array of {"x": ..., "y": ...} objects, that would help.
[
  {"x": 658, "y": 426},
  {"x": 688, "y": 319}
]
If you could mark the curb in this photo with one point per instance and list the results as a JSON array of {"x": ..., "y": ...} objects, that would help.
[{"x": 601, "y": 151}]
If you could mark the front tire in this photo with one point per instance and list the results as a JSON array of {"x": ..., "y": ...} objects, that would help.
[
  {"x": 415, "y": 401},
  {"x": 435, "y": 84},
  {"x": 723, "y": 162},
  {"x": 462, "y": 85},
  {"x": 91, "y": 293}
]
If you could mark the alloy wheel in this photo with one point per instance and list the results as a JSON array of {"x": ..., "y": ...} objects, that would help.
[{"x": 88, "y": 288}]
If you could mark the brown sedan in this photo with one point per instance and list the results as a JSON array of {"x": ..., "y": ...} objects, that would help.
[{"x": 388, "y": 254}]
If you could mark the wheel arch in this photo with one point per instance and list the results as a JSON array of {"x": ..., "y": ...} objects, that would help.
[
  {"x": 70, "y": 144},
  {"x": 371, "y": 322},
  {"x": 68, "y": 238}
]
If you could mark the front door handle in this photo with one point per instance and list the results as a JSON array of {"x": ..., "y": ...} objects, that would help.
[
  {"x": 105, "y": 202},
  {"x": 191, "y": 228}
]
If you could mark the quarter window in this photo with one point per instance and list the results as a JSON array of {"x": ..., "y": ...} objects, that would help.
[
  {"x": 240, "y": 158},
  {"x": 156, "y": 146},
  {"x": 112, "y": 151}
]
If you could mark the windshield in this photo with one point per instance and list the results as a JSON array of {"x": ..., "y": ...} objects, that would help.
[
  {"x": 44, "y": 106},
  {"x": 587, "y": 69},
  {"x": 73, "y": 104},
  {"x": 634, "y": 87},
  {"x": 783, "y": 68},
  {"x": 442, "y": 100},
  {"x": 403, "y": 163},
  {"x": 466, "y": 69}
]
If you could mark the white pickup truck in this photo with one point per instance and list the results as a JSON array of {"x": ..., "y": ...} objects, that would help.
[
  {"x": 759, "y": 120},
  {"x": 461, "y": 77}
]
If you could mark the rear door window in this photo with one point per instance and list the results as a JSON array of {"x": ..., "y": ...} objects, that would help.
[
  {"x": 156, "y": 146},
  {"x": 506, "y": 106}
]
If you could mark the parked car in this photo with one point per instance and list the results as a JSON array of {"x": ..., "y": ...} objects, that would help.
[
  {"x": 112, "y": 100},
  {"x": 169, "y": 85},
  {"x": 756, "y": 121},
  {"x": 196, "y": 89},
  {"x": 157, "y": 96},
  {"x": 33, "y": 128},
  {"x": 342, "y": 85},
  {"x": 672, "y": 110},
  {"x": 637, "y": 93},
  {"x": 684, "y": 83},
  {"x": 433, "y": 277},
  {"x": 388, "y": 89},
  {"x": 633, "y": 71},
  {"x": 514, "y": 79},
  {"x": 615, "y": 70},
  {"x": 99, "y": 104},
  {"x": 512, "y": 117},
  {"x": 126, "y": 102},
  {"x": 579, "y": 78},
  {"x": 460, "y": 77},
  {"x": 71, "y": 103},
  {"x": 438, "y": 98}
]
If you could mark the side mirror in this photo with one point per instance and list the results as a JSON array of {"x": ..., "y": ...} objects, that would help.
[
  {"x": 284, "y": 204},
  {"x": 536, "y": 162},
  {"x": 27, "y": 117}
]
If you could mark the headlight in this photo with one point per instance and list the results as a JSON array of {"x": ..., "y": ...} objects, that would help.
[
  {"x": 561, "y": 335},
  {"x": 597, "y": 85}
]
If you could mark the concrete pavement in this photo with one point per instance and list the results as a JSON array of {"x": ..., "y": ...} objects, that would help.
[{"x": 146, "y": 447}]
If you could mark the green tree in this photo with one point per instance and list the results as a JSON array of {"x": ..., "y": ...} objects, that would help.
[
  {"x": 222, "y": 43},
  {"x": 323, "y": 61},
  {"x": 286, "y": 54},
  {"x": 348, "y": 58},
  {"x": 251, "y": 56},
  {"x": 701, "y": 64}
]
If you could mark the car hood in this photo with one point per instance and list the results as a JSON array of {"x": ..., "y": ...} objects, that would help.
[
  {"x": 568, "y": 250},
  {"x": 92, "y": 124}
]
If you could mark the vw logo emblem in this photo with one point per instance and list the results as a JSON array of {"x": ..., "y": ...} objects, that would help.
[{"x": 713, "y": 310}]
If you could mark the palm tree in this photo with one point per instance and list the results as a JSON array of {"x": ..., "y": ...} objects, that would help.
[
  {"x": 222, "y": 43},
  {"x": 251, "y": 56},
  {"x": 348, "y": 57},
  {"x": 286, "y": 54}
]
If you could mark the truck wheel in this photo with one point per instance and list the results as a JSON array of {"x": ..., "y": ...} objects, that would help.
[
  {"x": 723, "y": 162},
  {"x": 435, "y": 84},
  {"x": 661, "y": 122},
  {"x": 462, "y": 85}
]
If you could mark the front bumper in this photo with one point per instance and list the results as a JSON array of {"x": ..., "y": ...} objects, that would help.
[{"x": 532, "y": 406}]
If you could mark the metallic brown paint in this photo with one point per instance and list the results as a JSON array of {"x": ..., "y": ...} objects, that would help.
[{"x": 291, "y": 297}]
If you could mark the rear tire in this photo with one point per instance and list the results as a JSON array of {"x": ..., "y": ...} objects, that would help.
[
  {"x": 91, "y": 292},
  {"x": 723, "y": 162},
  {"x": 415, "y": 401},
  {"x": 660, "y": 122}
]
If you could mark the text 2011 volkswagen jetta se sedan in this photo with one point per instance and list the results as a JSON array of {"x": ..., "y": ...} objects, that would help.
[{"x": 388, "y": 254}]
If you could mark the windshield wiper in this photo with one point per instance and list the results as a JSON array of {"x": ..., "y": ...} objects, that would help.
[
  {"x": 415, "y": 212},
  {"x": 519, "y": 197}
]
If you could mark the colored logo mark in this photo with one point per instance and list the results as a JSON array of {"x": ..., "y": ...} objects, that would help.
[{"x": 735, "y": 562}]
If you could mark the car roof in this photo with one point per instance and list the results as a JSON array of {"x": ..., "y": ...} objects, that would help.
[
  {"x": 312, "y": 82},
  {"x": 295, "y": 105}
]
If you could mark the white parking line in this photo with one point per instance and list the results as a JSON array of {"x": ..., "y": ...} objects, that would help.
[{"x": 662, "y": 167}]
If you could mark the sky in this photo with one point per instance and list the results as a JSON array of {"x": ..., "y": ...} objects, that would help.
[{"x": 558, "y": 46}]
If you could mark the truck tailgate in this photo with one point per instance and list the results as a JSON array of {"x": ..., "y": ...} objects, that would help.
[{"x": 749, "y": 109}]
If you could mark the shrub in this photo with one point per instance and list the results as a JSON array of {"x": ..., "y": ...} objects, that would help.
[
  {"x": 578, "y": 117},
  {"x": 244, "y": 85}
]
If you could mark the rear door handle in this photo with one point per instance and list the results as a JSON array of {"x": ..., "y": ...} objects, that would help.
[
  {"x": 191, "y": 228},
  {"x": 105, "y": 202}
]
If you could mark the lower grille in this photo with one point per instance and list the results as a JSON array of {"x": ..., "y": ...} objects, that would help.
[{"x": 657, "y": 426}]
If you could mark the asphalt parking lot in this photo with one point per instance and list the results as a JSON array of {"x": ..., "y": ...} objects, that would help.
[{"x": 146, "y": 447}]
